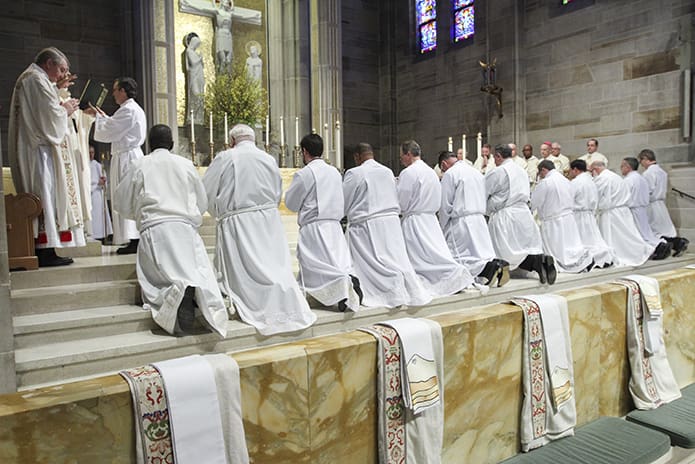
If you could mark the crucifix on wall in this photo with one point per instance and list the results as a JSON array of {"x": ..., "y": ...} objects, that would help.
[{"x": 222, "y": 12}]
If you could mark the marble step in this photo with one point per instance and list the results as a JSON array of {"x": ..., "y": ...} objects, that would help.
[
  {"x": 82, "y": 271},
  {"x": 34, "y": 330},
  {"x": 64, "y": 355},
  {"x": 74, "y": 296}
]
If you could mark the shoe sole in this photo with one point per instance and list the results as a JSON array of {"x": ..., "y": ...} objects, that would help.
[
  {"x": 550, "y": 271},
  {"x": 503, "y": 276}
]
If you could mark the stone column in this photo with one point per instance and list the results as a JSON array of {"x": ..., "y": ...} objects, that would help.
[
  {"x": 326, "y": 73},
  {"x": 8, "y": 378}
]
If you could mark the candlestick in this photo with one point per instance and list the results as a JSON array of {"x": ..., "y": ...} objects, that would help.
[
  {"x": 192, "y": 127},
  {"x": 450, "y": 144},
  {"x": 267, "y": 129},
  {"x": 296, "y": 131},
  {"x": 212, "y": 150},
  {"x": 338, "y": 148},
  {"x": 210, "y": 126},
  {"x": 282, "y": 131},
  {"x": 226, "y": 131},
  {"x": 480, "y": 144},
  {"x": 463, "y": 144}
]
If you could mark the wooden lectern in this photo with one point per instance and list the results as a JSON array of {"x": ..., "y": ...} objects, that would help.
[{"x": 20, "y": 211}]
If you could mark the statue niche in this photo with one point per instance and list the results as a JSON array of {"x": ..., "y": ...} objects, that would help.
[{"x": 195, "y": 80}]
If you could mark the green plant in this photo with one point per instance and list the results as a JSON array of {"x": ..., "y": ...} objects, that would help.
[{"x": 243, "y": 99}]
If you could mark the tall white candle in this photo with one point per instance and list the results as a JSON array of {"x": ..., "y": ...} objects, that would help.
[
  {"x": 338, "y": 148},
  {"x": 450, "y": 144},
  {"x": 282, "y": 131},
  {"x": 463, "y": 144},
  {"x": 226, "y": 130},
  {"x": 210, "y": 126},
  {"x": 192, "y": 128},
  {"x": 267, "y": 128},
  {"x": 480, "y": 144},
  {"x": 296, "y": 131},
  {"x": 325, "y": 135}
]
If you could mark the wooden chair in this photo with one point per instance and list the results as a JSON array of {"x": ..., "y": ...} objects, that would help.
[{"x": 20, "y": 211}]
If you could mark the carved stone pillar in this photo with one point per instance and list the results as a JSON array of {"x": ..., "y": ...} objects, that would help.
[{"x": 326, "y": 74}]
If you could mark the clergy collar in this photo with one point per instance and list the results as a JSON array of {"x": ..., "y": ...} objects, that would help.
[{"x": 127, "y": 101}]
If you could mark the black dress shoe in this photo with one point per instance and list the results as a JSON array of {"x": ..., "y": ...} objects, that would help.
[
  {"x": 489, "y": 272},
  {"x": 356, "y": 286},
  {"x": 48, "y": 258},
  {"x": 502, "y": 272},
  {"x": 540, "y": 268},
  {"x": 342, "y": 305},
  {"x": 662, "y": 251},
  {"x": 129, "y": 249},
  {"x": 680, "y": 246},
  {"x": 550, "y": 271}
]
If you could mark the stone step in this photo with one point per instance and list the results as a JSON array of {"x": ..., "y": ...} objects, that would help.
[
  {"x": 74, "y": 296},
  {"x": 66, "y": 354},
  {"x": 82, "y": 271},
  {"x": 91, "y": 249},
  {"x": 684, "y": 218},
  {"x": 680, "y": 170},
  {"x": 34, "y": 330}
]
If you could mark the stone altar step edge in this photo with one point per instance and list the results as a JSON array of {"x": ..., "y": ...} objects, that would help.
[
  {"x": 34, "y": 330},
  {"x": 76, "y": 296},
  {"x": 83, "y": 271}
]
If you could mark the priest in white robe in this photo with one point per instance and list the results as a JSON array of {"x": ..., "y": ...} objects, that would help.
[
  {"x": 40, "y": 160},
  {"x": 374, "y": 235},
  {"x": 659, "y": 218},
  {"x": 592, "y": 154},
  {"x": 101, "y": 219},
  {"x": 585, "y": 198},
  {"x": 615, "y": 221},
  {"x": 325, "y": 267},
  {"x": 163, "y": 193},
  {"x": 419, "y": 197},
  {"x": 638, "y": 203},
  {"x": 125, "y": 131},
  {"x": 252, "y": 256},
  {"x": 462, "y": 219},
  {"x": 485, "y": 162},
  {"x": 514, "y": 233},
  {"x": 552, "y": 200}
]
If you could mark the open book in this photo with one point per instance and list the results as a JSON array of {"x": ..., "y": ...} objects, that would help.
[{"x": 93, "y": 93}]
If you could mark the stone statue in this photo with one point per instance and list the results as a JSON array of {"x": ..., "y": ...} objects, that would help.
[
  {"x": 254, "y": 64},
  {"x": 222, "y": 14},
  {"x": 195, "y": 90}
]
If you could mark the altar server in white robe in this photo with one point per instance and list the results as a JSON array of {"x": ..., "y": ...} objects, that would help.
[
  {"x": 585, "y": 198},
  {"x": 592, "y": 154},
  {"x": 462, "y": 218},
  {"x": 101, "y": 219},
  {"x": 514, "y": 233},
  {"x": 552, "y": 200},
  {"x": 615, "y": 221},
  {"x": 125, "y": 131},
  {"x": 485, "y": 162},
  {"x": 163, "y": 193},
  {"x": 659, "y": 218},
  {"x": 638, "y": 203},
  {"x": 252, "y": 256},
  {"x": 420, "y": 196},
  {"x": 374, "y": 235},
  {"x": 39, "y": 157},
  {"x": 325, "y": 266}
]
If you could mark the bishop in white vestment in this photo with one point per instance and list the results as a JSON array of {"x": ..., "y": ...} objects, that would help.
[
  {"x": 163, "y": 193},
  {"x": 462, "y": 218},
  {"x": 375, "y": 238},
  {"x": 615, "y": 221},
  {"x": 419, "y": 197},
  {"x": 552, "y": 200},
  {"x": 514, "y": 233},
  {"x": 101, "y": 219},
  {"x": 40, "y": 160},
  {"x": 325, "y": 266},
  {"x": 585, "y": 200},
  {"x": 125, "y": 131},
  {"x": 252, "y": 256},
  {"x": 659, "y": 218}
]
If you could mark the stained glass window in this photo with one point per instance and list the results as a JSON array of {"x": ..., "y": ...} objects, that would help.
[
  {"x": 463, "y": 26},
  {"x": 426, "y": 16}
]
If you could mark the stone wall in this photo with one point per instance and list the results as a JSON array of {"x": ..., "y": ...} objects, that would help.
[
  {"x": 610, "y": 70},
  {"x": 314, "y": 400},
  {"x": 90, "y": 34}
]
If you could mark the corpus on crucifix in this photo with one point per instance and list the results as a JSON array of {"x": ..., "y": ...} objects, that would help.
[{"x": 222, "y": 12}]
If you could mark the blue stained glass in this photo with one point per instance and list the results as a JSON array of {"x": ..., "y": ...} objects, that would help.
[
  {"x": 426, "y": 10},
  {"x": 464, "y": 24},
  {"x": 428, "y": 37},
  {"x": 461, "y": 3}
]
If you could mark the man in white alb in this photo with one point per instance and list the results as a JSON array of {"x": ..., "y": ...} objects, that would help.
[
  {"x": 462, "y": 218},
  {"x": 101, "y": 219},
  {"x": 514, "y": 233},
  {"x": 615, "y": 221},
  {"x": 125, "y": 131},
  {"x": 592, "y": 154},
  {"x": 485, "y": 162},
  {"x": 638, "y": 203},
  {"x": 252, "y": 256},
  {"x": 520, "y": 160},
  {"x": 562, "y": 163},
  {"x": 659, "y": 218},
  {"x": 420, "y": 196},
  {"x": 585, "y": 198},
  {"x": 374, "y": 235},
  {"x": 163, "y": 193},
  {"x": 531, "y": 164},
  {"x": 40, "y": 160},
  {"x": 325, "y": 266},
  {"x": 552, "y": 200}
]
